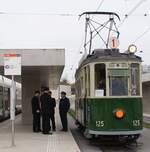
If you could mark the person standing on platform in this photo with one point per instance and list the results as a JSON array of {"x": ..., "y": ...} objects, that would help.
[
  {"x": 45, "y": 108},
  {"x": 64, "y": 106},
  {"x": 36, "y": 111},
  {"x": 52, "y": 111}
]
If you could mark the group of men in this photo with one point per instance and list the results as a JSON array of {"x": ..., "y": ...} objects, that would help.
[{"x": 44, "y": 105}]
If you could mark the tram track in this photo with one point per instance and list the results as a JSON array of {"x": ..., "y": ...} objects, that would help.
[{"x": 95, "y": 145}]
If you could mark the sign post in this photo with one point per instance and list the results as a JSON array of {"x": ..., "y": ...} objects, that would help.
[
  {"x": 12, "y": 110},
  {"x": 12, "y": 66}
]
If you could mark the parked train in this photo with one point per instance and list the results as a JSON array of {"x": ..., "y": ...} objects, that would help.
[
  {"x": 109, "y": 94},
  {"x": 5, "y": 85}
]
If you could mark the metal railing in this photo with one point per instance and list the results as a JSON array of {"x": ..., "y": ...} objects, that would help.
[{"x": 146, "y": 118}]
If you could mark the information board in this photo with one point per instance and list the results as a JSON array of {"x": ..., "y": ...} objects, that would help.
[{"x": 12, "y": 64}]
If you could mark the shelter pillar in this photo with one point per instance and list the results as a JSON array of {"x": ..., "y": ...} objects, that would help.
[{"x": 30, "y": 83}]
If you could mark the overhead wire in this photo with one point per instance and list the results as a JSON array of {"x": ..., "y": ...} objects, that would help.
[
  {"x": 101, "y": 2},
  {"x": 35, "y": 13},
  {"x": 79, "y": 50},
  {"x": 141, "y": 35},
  {"x": 140, "y": 15},
  {"x": 131, "y": 12},
  {"x": 135, "y": 7},
  {"x": 41, "y": 14},
  {"x": 80, "y": 47},
  {"x": 62, "y": 14}
]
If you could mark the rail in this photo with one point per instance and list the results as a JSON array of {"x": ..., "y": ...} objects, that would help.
[{"x": 146, "y": 118}]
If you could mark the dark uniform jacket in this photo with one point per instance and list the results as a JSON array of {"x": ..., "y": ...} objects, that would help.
[
  {"x": 46, "y": 105},
  {"x": 35, "y": 104},
  {"x": 64, "y": 105},
  {"x": 53, "y": 103}
]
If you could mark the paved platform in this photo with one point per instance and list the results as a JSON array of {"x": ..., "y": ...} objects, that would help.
[{"x": 27, "y": 141}]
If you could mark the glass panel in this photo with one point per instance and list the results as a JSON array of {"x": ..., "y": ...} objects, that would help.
[
  {"x": 82, "y": 89},
  {"x": 78, "y": 88},
  {"x": 88, "y": 73},
  {"x": 1, "y": 101},
  {"x": 87, "y": 80},
  {"x": 119, "y": 72},
  {"x": 100, "y": 80},
  {"x": 118, "y": 86},
  {"x": 86, "y": 83},
  {"x": 135, "y": 86}
]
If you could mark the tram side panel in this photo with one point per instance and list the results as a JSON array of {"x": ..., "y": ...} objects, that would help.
[{"x": 101, "y": 116}]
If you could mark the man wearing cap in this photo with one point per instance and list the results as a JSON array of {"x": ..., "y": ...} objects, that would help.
[
  {"x": 64, "y": 106},
  {"x": 36, "y": 111}
]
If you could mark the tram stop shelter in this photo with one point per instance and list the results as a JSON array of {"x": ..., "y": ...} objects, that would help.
[{"x": 40, "y": 67}]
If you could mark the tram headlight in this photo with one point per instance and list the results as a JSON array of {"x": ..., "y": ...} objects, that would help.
[
  {"x": 132, "y": 48},
  {"x": 119, "y": 113}
]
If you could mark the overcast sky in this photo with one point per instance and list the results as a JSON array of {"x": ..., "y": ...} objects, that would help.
[{"x": 37, "y": 24}]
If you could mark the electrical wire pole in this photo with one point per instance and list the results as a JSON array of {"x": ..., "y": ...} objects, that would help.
[
  {"x": 12, "y": 111},
  {"x": 12, "y": 67}
]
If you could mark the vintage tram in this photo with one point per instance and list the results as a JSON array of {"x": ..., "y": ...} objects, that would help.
[{"x": 109, "y": 94}]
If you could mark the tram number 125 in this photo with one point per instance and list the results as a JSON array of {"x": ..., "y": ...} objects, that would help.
[
  {"x": 99, "y": 124},
  {"x": 136, "y": 123}
]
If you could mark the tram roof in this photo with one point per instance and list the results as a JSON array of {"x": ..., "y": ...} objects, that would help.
[{"x": 106, "y": 55}]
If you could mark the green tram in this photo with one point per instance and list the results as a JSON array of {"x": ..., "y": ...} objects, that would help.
[{"x": 109, "y": 94}]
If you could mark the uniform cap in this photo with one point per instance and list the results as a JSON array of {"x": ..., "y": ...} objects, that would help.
[
  {"x": 63, "y": 92},
  {"x": 37, "y": 91}
]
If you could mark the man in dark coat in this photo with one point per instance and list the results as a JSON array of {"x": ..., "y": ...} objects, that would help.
[
  {"x": 46, "y": 107},
  {"x": 64, "y": 106},
  {"x": 52, "y": 110},
  {"x": 36, "y": 111}
]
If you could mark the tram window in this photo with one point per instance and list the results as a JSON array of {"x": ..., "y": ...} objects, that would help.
[
  {"x": 79, "y": 88},
  {"x": 100, "y": 80},
  {"x": 88, "y": 73},
  {"x": 1, "y": 101},
  {"x": 118, "y": 82},
  {"x": 87, "y": 80},
  {"x": 135, "y": 87},
  {"x": 82, "y": 89}
]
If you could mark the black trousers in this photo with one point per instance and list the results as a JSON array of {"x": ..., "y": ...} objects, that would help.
[
  {"x": 36, "y": 122},
  {"x": 52, "y": 119},
  {"x": 46, "y": 122},
  {"x": 64, "y": 121}
]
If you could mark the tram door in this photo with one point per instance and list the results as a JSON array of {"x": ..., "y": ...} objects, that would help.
[{"x": 100, "y": 80}]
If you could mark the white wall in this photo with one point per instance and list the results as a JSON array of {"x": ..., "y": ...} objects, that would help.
[{"x": 66, "y": 88}]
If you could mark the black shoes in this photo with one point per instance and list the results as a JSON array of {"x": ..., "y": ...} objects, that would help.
[
  {"x": 47, "y": 133},
  {"x": 36, "y": 131},
  {"x": 65, "y": 130}
]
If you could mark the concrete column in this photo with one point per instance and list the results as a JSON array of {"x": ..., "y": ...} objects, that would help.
[{"x": 30, "y": 83}]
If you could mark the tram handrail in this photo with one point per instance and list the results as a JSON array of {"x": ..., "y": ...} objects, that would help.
[{"x": 146, "y": 118}]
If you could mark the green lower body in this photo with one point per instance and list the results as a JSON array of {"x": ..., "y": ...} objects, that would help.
[{"x": 98, "y": 115}]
